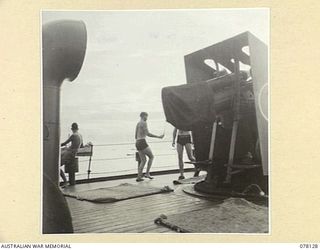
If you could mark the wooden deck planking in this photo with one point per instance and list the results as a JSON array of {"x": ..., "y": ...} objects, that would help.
[
  {"x": 155, "y": 229},
  {"x": 131, "y": 220},
  {"x": 137, "y": 228},
  {"x": 113, "y": 218},
  {"x": 134, "y": 203},
  {"x": 127, "y": 223},
  {"x": 133, "y": 215},
  {"x": 107, "y": 208},
  {"x": 99, "y": 221}
]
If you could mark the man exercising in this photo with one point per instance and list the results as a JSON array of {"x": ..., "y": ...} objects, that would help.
[
  {"x": 184, "y": 140},
  {"x": 143, "y": 148}
]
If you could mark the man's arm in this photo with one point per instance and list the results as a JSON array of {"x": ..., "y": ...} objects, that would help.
[
  {"x": 191, "y": 135},
  {"x": 155, "y": 136},
  {"x": 174, "y": 137},
  {"x": 136, "y": 133},
  {"x": 67, "y": 141},
  {"x": 81, "y": 141},
  {"x": 145, "y": 127}
]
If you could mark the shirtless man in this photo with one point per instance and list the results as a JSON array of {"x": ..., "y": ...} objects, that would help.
[
  {"x": 68, "y": 154},
  {"x": 143, "y": 148},
  {"x": 183, "y": 140}
]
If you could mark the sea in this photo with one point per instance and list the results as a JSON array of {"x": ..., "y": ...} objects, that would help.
[{"x": 114, "y": 144}]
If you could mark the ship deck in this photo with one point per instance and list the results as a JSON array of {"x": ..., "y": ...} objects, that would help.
[{"x": 134, "y": 215}]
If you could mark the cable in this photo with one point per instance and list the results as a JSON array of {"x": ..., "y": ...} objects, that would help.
[
  {"x": 126, "y": 170},
  {"x": 126, "y": 143},
  {"x": 120, "y": 158}
]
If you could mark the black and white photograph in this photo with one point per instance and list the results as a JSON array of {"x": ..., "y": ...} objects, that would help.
[{"x": 155, "y": 121}]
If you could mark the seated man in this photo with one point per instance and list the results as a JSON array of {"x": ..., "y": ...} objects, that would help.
[{"x": 68, "y": 154}]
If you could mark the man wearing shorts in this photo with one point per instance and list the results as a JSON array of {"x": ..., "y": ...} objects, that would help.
[
  {"x": 143, "y": 148},
  {"x": 183, "y": 140},
  {"x": 68, "y": 154}
]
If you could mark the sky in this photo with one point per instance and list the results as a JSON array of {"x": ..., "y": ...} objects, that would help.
[{"x": 132, "y": 55}]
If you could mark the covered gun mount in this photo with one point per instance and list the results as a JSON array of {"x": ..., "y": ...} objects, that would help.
[
  {"x": 227, "y": 114},
  {"x": 189, "y": 105},
  {"x": 63, "y": 49}
]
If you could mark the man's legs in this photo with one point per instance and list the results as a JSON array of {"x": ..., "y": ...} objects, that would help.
[
  {"x": 180, "y": 159},
  {"x": 63, "y": 158},
  {"x": 149, "y": 153},
  {"x": 189, "y": 152},
  {"x": 67, "y": 157},
  {"x": 191, "y": 158},
  {"x": 141, "y": 165},
  {"x": 63, "y": 161},
  {"x": 63, "y": 176}
]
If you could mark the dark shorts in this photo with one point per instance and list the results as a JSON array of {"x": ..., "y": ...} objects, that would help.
[
  {"x": 141, "y": 144},
  {"x": 184, "y": 139},
  {"x": 67, "y": 156}
]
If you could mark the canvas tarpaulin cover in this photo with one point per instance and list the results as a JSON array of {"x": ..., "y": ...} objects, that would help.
[{"x": 187, "y": 106}]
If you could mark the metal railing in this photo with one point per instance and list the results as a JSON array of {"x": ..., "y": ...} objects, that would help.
[
  {"x": 128, "y": 157},
  {"x": 126, "y": 143}
]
